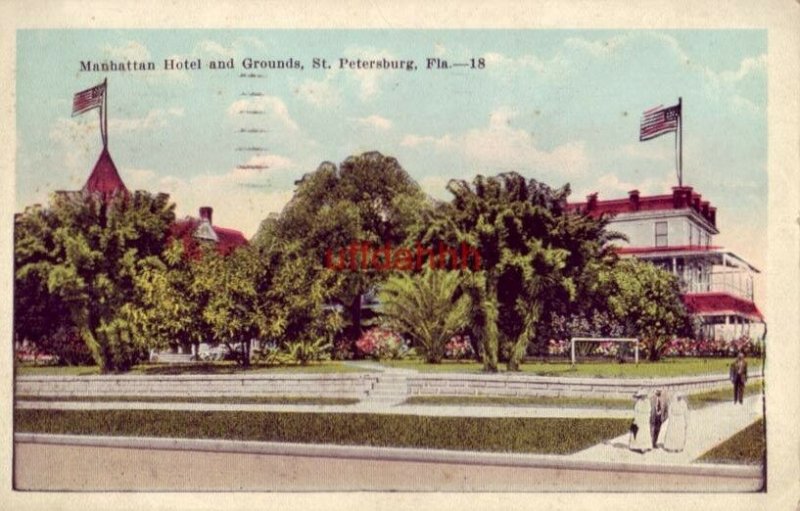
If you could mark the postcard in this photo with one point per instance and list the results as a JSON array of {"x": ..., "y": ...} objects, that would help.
[{"x": 474, "y": 262}]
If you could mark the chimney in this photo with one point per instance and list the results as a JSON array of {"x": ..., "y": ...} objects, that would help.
[
  {"x": 696, "y": 201},
  {"x": 704, "y": 208},
  {"x": 681, "y": 197},
  {"x": 633, "y": 196},
  {"x": 205, "y": 213},
  {"x": 591, "y": 201}
]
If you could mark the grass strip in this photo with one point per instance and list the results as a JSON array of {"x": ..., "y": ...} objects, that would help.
[
  {"x": 494, "y": 434},
  {"x": 580, "y": 402},
  {"x": 718, "y": 396},
  {"x": 747, "y": 447},
  {"x": 585, "y": 369},
  {"x": 261, "y": 400}
]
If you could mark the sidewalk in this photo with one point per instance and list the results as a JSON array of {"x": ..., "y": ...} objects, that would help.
[{"x": 707, "y": 427}]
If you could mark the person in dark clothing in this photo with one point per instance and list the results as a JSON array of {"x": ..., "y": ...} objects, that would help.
[
  {"x": 738, "y": 374},
  {"x": 659, "y": 412}
]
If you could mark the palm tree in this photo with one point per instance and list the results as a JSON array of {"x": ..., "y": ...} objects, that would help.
[{"x": 428, "y": 307}]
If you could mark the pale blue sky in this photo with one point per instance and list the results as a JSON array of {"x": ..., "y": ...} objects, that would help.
[{"x": 559, "y": 106}]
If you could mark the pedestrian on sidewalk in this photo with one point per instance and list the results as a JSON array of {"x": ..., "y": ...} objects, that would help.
[
  {"x": 659, "y": 412},
  {"x": 640, "y": 439},
  {"x": 738, "y": 374},
  {"x": 675, "y": 436}
]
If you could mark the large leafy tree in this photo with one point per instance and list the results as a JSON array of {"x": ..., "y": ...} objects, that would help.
[
  {"x": 41, "y": 317},
  {"x": 533, "y": 253},
  {"x": 170, "y": 313},
  {"x": 88, "y": 258},
  {"x": 647, "y": 301},
  {"x": 430, "y": 307},
  {"x": 368, "y": 199}
]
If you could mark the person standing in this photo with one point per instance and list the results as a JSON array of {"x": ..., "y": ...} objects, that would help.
[
  {"x": 640, "y": 439},
  {"x": 738, "y": 374},
  {"x": 675, "y": 436},
  {"x": 659, "y": 412}
]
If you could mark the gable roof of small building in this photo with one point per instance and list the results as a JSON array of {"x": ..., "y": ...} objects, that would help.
[{"x": 194, "y": 231}]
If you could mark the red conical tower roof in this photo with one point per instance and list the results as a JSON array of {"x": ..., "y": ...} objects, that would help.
[{"x": 104, "y": 179}]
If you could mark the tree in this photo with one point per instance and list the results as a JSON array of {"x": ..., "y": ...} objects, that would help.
[
  {"x": 513, "y": 223},
  {"x": 233, "y": 309},
  {"x": 172, "y": 303},
  {"x": 369, "y": 198},
  {"x": 92, "y": 252},
  {"x": 41, "y": 317},
  {"x": 428, "y": 306},
  {"x": 647, "y": 300}
]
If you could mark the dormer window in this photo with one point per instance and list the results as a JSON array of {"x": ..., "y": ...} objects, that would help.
[{"x": 205, "y": 231}]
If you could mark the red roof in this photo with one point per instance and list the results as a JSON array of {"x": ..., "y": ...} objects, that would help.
[
  {"x": 707, "y": 304},
  {"x": 228, "y": 239},
  {"x": 682, "y": 197},
  {"x": 104, "y": 179}
]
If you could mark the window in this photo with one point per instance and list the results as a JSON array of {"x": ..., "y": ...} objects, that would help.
[
  {"x": 661, "y": 234},
  {"x": 691, "y": 234}
]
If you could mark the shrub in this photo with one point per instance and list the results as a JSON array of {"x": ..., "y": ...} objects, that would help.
[
  {"x": 458, "y": 347},
  {"x": 684, "y": 347},
  {"x": 382, "y": 344},
  {"x": 306, "y": 351}
]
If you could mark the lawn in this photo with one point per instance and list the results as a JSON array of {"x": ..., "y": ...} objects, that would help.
[
  {"x": 256, "y": 400},
  {"x": 664, "y": 368},
  {"x": 714, "y": 397},
  {"x": 495, "y": 434},
  {"x": 747, "y": 447},
  {"x": 192, "y": 368}
]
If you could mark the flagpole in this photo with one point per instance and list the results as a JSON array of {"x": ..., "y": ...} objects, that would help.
[
  {"x": 680, "y": 147},
  {"x": 104, "y": 124}
]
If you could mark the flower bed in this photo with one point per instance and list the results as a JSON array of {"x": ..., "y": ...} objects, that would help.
[{"x": 382, "y": 344}]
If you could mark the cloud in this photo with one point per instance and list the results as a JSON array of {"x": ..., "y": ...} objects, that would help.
[
  {"x": 128, "y": 50},
  {"x": 444, "y": 142},
  {"x": 271, "y": 107},
  {"x": 214, "y": 48},
  {"x": 319, "y": 92},
  {"x": 374, "y": 122},
  {"x": 69, "y": 130},
  {"x": 500, "y": 147},
  {"x": 258, "y": 166},
  {"x": 530, "y": 61},
  {"x": 503, "y": 146},
  {"x": 642, "y": 151},
  {"x": 239, "y": 201},
  {"x": 598, "y": 48},
  {"x": 369, "y": 80},
  {"x": 748, "y": 66},
  {"x": 156, "y": 118}
]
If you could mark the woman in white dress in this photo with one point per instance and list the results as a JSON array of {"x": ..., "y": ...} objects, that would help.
[
  {"x": 675, "y": 438},
  {"x": 640, "y": 439}
]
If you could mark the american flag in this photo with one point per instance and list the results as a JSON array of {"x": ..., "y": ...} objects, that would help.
[
  {"x": 88, "y": 99},
  {"x": 659, "y": 120}
]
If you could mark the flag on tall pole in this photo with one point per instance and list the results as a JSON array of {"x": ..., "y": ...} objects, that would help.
[
  {"x": 89, "y": 99},
  {"x": 660, "y": 120}
]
